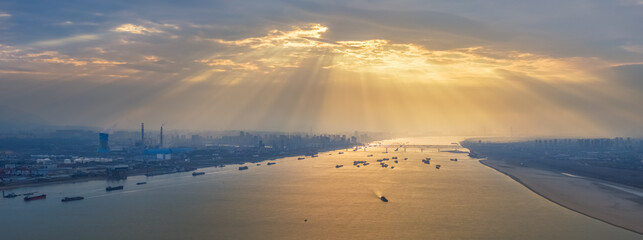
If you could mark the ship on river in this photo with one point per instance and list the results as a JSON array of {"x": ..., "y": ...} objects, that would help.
[
  {"x": 37, "y": 197},
  {"x": 110, "y": 188},
  {"x": 69, "y": 199}
]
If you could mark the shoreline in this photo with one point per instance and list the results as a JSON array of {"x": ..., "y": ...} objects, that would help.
[
  {"x": 558, "y": 200},
  {"x": 138, "y": 172}
]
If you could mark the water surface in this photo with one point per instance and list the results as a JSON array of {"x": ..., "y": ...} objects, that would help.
[{"x": 307, "y": 199}]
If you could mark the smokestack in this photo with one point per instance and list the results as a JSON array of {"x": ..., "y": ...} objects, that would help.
[
  {"x": 143, "y": 134},
  {"x": 161, "y": 145}
]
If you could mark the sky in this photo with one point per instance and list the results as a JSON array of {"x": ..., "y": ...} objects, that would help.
[{"x": 494, "y": 67}]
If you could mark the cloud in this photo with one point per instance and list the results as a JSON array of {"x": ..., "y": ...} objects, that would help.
[
  {"x": 136, "y": 29},
  {"x": 71, "y": 61},
  {"x": 634, "y": 48},
  {"x": 227, "y": 63},
  {"x": 409, "y": 61},
  {"x": 361, "y": 65},
  {"x": 67, "y": 40}
]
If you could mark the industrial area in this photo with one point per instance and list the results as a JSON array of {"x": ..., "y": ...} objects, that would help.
[{"x": 62, "y": 155}]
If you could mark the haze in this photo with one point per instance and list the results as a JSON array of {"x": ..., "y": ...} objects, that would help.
[{"x": 468, "y": 67}]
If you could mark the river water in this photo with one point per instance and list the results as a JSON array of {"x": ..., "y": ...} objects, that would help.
[{"x": 307, "y": 199}]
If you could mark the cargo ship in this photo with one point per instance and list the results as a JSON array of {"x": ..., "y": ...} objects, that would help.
[
  {"x": 37, "y": 197},
  {"x": 110, "y": 188},
  {"x": 69, "y": 199},
  {"x": 243, "y": 168},
  {"x": 198, "y": 173}
]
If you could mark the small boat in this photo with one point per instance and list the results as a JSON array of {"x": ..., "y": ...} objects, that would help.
[
  {"x": 394, "y": 157},
  {"x": 141, "y": 183},
  {"x": 406, "y": 158},
  {"x": 338, "y": 166},
  {"x": 243, "y": 168},
  {"x": 370, "y": 155},
  {"x": 258, "y": 164},
  {"x": 340, "y": 153},
  {"x": 198, "y": 173},
  {"x": 301, "y": 158},
  {"x": 69, "y": 199},
  {"x": 437, "y": 166},
  {"x": 37, "y": 197},
  {"x": 271, "y": 163},
  {"x": 10, "y": 195},
  {"x": 110, "y": 188},
  {"x": 383, "y": 199}
]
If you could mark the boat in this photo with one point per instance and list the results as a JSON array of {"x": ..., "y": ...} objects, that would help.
[
  {"x": 301, "y": 158},
  {"x": 338, "y": 166},
  {"x": 198, "y": 173},
  {"x": 243, "y": 168},
  {"x": 110, "y": 188},
  {"x": 271, "y": 163},
  {"x": 141, "y": 183},
  {"x": 10, "y": 195},
  {"x": 37, "y": 197},
  {"x": 383, "y": 199},
  {"x": 394, "y": 157},
  {"x": 69, "y": 199}
]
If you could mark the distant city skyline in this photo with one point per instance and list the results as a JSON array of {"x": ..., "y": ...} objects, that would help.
[{"x": 497, "y": 67}]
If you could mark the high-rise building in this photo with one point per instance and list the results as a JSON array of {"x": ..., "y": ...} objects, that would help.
[{"x": 103, "y": 139}]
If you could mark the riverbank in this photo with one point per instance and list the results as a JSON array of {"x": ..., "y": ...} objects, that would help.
[
  {"x": 194, "y": 164},
  {"x": 612, "y": 203}
]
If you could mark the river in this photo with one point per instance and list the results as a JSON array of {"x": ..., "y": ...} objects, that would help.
[{"x": 307, "y": 199}]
